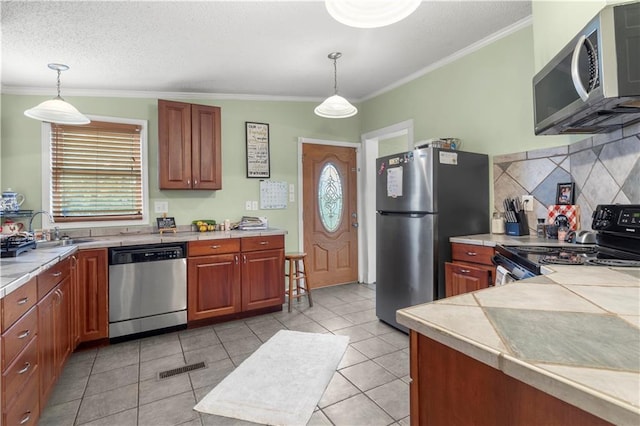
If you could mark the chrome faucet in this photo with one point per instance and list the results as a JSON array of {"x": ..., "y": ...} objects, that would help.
[{"x": 34, "y": 215}]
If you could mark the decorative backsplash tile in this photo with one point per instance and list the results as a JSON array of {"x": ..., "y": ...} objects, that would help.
[{"x": 605, "y": 169}]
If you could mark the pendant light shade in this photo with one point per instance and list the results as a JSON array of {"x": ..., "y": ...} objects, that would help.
[
  {"x": 57, "y": 110},
  {"x": 370, "y": 13},
  {"x": 335, "y": 106}
]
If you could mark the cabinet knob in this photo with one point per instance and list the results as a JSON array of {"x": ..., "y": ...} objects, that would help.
[
  {"x": 464, "y": 271},
  {"x": 216, "y": 247},
  {"x": 57, "y": 274},
  {"x": 472, "y": 253},
  {"x": 24, "y": 334},
  {"x": 264, "y": 243},
  {"x": 23, "y": 301}
]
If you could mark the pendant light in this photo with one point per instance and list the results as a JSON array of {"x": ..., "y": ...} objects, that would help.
[
  {"x": 57, "y": 110},
  {"x": 335, "y": 106},
  {"x": 370, "y": 13}
]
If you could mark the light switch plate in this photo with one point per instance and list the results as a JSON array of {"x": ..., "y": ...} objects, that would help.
[
  {"x": 161, "y": 207},
  {"x": 254, "y": 205},
  {"x": 247, "y": 205}
]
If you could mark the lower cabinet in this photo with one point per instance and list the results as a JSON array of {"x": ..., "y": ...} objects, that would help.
[
  {"x": 450, "y": 388},
  {"x": 234, "y": 275},
  {"x": 54, "y": 327},
  {"x": 93, "y": 294},
  {"x": 471, "y": 269},
  {"x": 262, "y": 279},
  {"x": 213, "y": 286},
  {"x": 19, "y": 346},
  {"x": 462, "y": 278}
]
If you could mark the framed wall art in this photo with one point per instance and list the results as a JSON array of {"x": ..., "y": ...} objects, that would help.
[
  {"x": 258, "y": 164},
  {"x": 565, "y": 194}
]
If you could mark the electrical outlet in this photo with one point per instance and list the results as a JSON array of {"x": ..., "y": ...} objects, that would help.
[
  {"x": 161, "y": 206},
  {"x": 527, "y": 203},
  {"x": 247, "y": 205},
  {"x": 254, "y": 205}
]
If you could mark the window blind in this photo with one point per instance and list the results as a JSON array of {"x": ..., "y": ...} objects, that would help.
[{"x": 96, "y": 172}]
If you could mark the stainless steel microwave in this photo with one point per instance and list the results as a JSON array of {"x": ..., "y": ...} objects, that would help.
[{"x": 593, "y": 84}]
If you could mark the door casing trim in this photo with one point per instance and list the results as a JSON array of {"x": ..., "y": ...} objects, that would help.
[{"x": 359, "y": 200}]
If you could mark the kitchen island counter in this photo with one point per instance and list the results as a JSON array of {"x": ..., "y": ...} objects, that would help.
[{"x": 573, "y": 334}]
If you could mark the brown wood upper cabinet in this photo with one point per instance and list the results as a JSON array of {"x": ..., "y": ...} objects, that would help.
[{"x": 189, "y": 146}]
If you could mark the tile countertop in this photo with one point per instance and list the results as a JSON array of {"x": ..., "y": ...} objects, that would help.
[
  {"x": 573, "y": 333},
  {"x": 15, "y": 271},
  {"x": 492, "y": 240}
]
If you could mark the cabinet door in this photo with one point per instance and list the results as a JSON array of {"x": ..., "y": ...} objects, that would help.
[
  {"x": 74, "y": 300},
  {"x": 206, "y": 154},
  {"x": 174, "y": 145},
  {"x": 213, "y": 286},
  {"x": 461, "y": 278},
  {"x": 262, "y": 279},
  {"x": 63, "y": 324},
  {"x": 93, "y": 294},
  {"x": 47, "y": 336}
]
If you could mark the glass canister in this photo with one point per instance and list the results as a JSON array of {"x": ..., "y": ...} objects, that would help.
[
  {"x": 497, "y": 223},
  {"x": 541, "y": 228}
]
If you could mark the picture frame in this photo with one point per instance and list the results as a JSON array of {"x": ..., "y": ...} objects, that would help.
[
  {"x": 258, "y": 157},
  {"x": 565, "y": 194}
]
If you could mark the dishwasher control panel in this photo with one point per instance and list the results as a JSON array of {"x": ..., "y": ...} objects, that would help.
[{"x": 146, "y": 253}]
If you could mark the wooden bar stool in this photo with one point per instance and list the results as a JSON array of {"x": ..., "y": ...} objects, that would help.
[{"x": 297, "y": 273}]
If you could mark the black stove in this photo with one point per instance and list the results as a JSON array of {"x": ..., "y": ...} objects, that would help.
[
  {"x": 617, "y": 245},
  {"x": 13, "y": 245}
]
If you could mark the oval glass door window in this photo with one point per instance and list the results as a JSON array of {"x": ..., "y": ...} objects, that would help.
[{"x": 330, "y": 197}]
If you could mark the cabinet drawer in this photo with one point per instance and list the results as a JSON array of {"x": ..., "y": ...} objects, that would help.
[
  {"x": 16, "y": 303},
  {"x": 51, "y": 277},
  {"x": 209, "y": 247},
  {"x": 472, "y": 253},
  {"x": 18, "y": 336},
  {"x": 262, "y": 243},
  {"x": 24, "y": 410},
  {"x": 18, "y": 373}
]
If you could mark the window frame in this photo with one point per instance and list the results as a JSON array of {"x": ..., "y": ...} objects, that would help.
[{"x": 46, "y": 178}]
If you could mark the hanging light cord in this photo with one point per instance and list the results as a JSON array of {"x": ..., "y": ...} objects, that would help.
[
  {"x": 335, "y": 76},
  {"x": 60, "y": 97}
]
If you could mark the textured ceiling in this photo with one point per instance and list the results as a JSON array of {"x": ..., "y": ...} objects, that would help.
[{"x": 271, "y": 48}]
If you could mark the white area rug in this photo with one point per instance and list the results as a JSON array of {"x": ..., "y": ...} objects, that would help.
[{"x": 280, "y": 383}]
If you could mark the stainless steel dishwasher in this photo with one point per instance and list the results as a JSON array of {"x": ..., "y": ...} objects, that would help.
[{"x": 147, "y": 288}]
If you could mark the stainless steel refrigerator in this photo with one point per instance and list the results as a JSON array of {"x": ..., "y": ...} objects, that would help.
[{"x": 423, "y": 197}]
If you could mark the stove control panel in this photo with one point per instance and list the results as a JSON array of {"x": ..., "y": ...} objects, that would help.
[{"x": 621, "y": 218}]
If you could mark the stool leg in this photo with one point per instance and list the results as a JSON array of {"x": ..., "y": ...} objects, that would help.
[
  {"x": 307, "y": 287},
  {"x": 290, "y": 283},
  {"x": 298, "y": 277}
]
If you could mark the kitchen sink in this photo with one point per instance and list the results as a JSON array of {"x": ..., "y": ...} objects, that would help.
[{"x": 63, "y": 242}]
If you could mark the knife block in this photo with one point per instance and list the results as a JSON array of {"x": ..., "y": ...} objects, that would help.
[{"x": 518, "y": 228}]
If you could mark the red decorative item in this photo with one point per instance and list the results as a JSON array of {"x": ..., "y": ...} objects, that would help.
[{"x": 572, "y": 212}]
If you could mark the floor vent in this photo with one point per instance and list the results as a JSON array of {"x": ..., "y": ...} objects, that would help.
[{"x": 181, "y": 370}]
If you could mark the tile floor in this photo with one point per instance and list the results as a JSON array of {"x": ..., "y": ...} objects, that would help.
[{"x": 118, "y": 385}]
